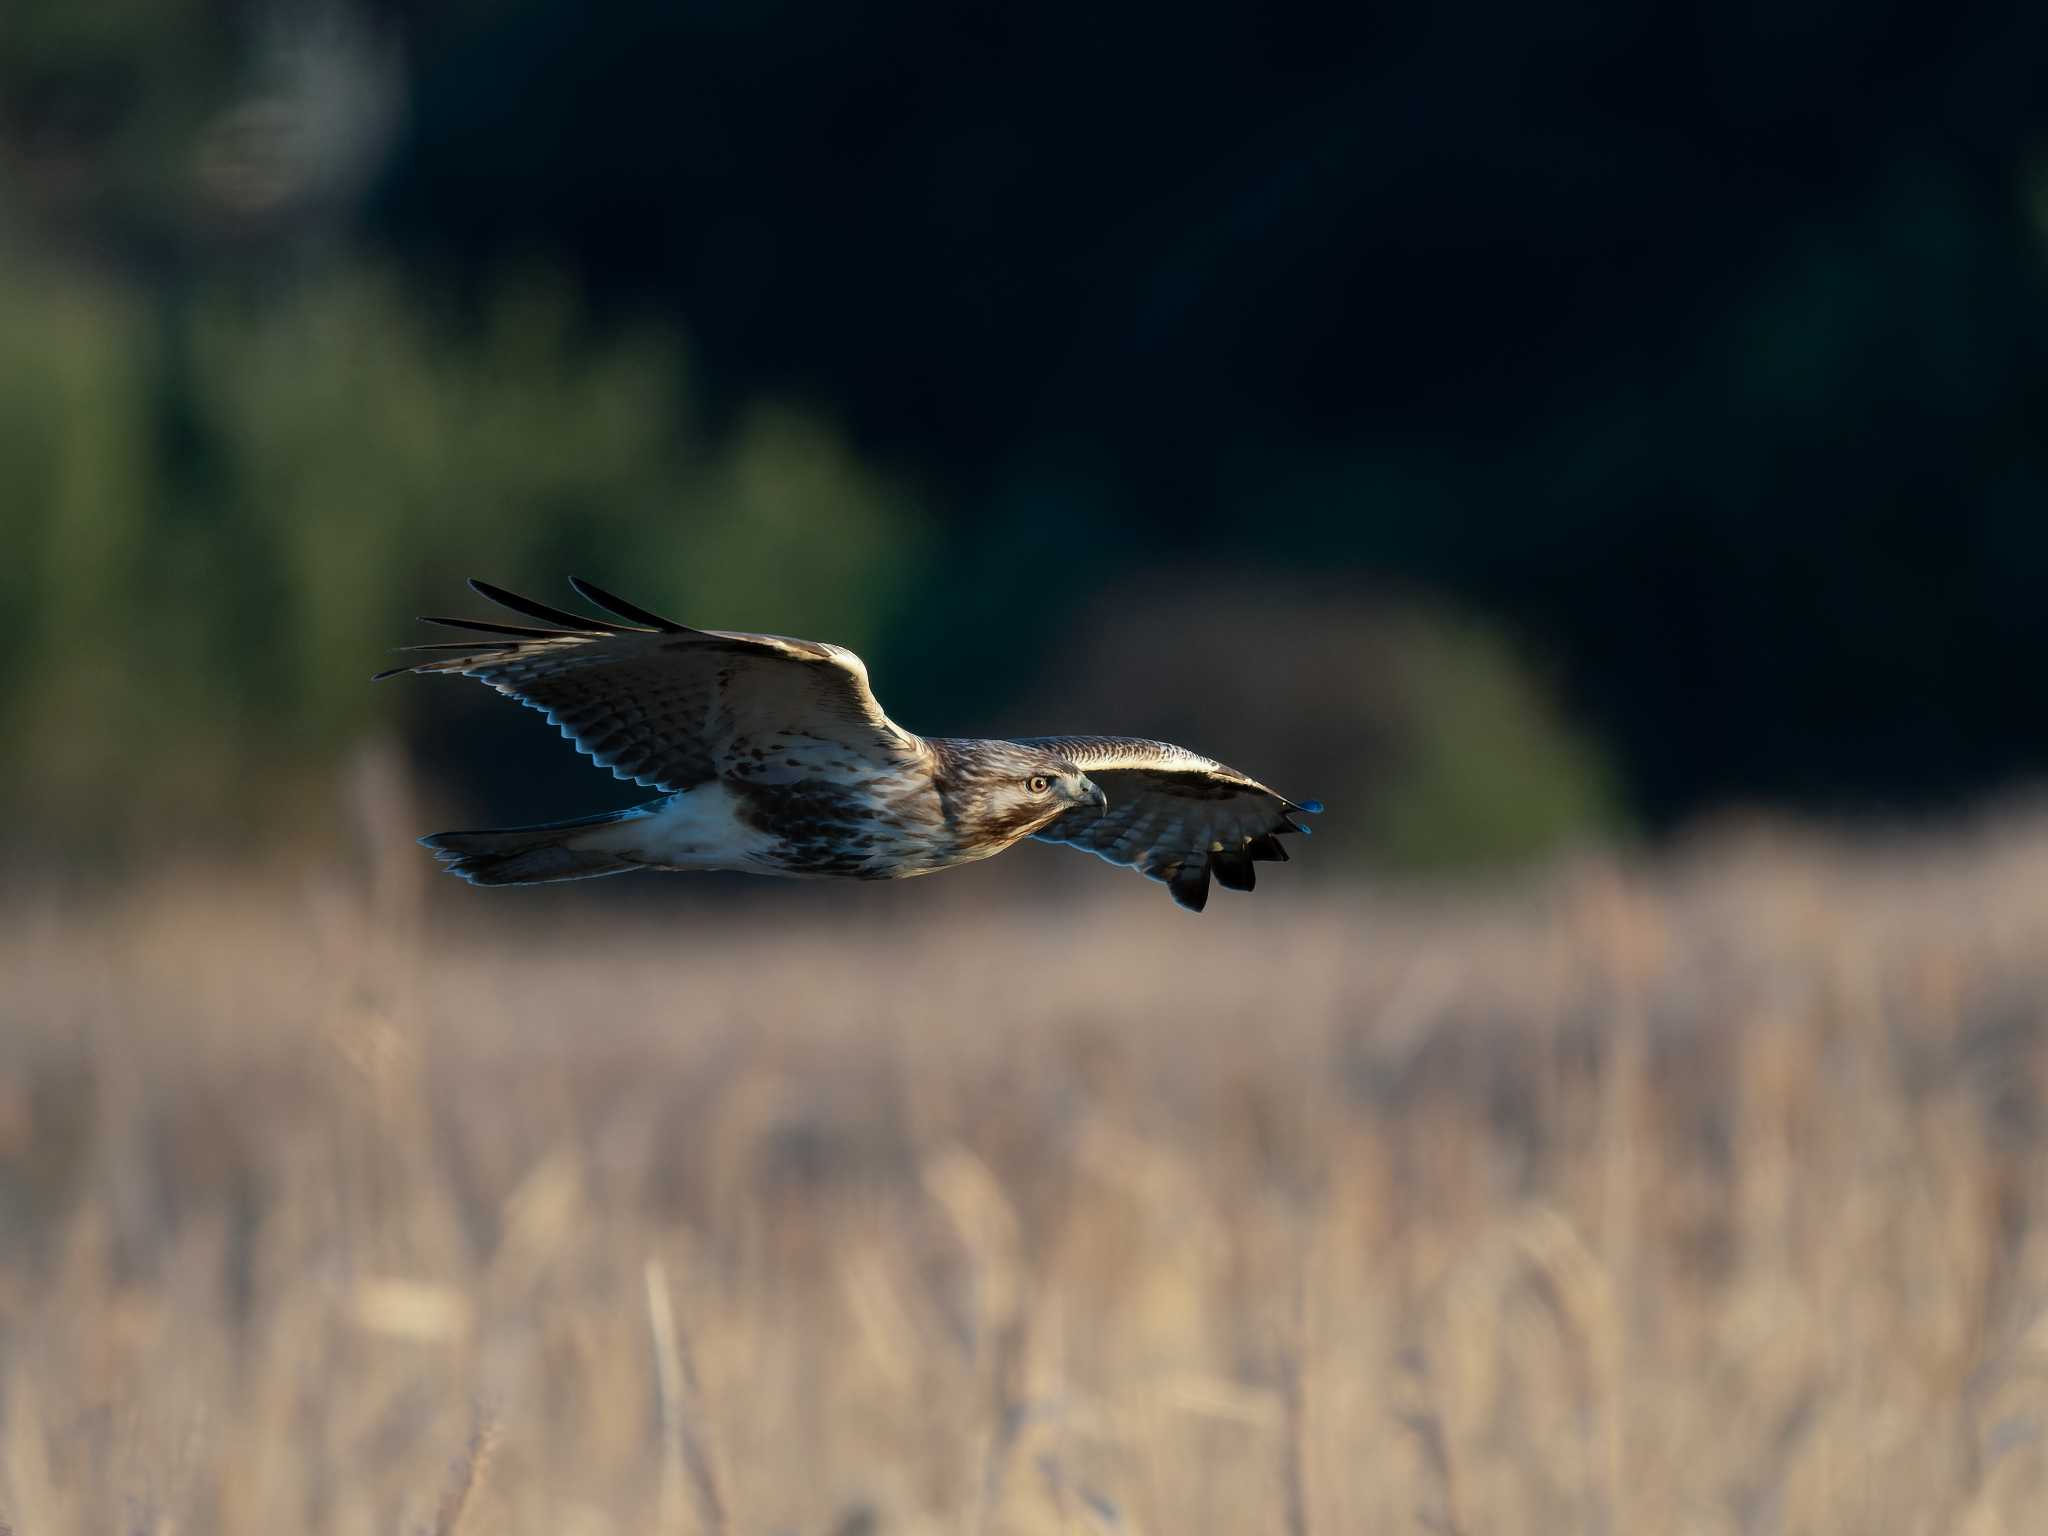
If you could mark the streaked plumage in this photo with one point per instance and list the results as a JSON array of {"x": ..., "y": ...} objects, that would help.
[{"x": 772, "y": 756}]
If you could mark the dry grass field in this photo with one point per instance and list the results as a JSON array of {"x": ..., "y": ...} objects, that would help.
[{"x": 1706, "y": 1197}]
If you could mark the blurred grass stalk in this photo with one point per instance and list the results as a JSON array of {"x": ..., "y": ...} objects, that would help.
[{"x": 1703, "y": 1199}]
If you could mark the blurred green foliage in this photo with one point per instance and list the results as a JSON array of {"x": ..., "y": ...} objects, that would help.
[
  {"x": 1484, "y": 768},
  {"x": 221, "y": 507}
]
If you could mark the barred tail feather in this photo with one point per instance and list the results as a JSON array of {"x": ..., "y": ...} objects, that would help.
[{"x": 530, "y": 855}]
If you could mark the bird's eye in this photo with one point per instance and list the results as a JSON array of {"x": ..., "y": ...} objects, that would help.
[{"x": 1038, "y": 783}]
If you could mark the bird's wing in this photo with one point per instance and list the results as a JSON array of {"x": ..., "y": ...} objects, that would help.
[
  {"x": 672, "y": 707},
  {"x": 1173, "y": 814}
]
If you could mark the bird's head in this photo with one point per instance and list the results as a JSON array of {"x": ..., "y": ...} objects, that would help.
[{"x": 1002, "y": 791}]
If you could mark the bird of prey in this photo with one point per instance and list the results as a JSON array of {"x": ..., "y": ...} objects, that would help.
[{"x": 772, "y": 756}]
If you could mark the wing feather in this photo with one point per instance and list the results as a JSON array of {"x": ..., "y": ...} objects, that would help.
[
  {"x": 491, "y": 627},
  {"x": 1173, "y": 815},
  {"x": 671, "y": 707},
  {"x": 581, "y": 623},
  {"x": 593, "y": 593}
]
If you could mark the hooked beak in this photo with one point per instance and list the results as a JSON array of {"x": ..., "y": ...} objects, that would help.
[{"x": 1091, "y": 794}]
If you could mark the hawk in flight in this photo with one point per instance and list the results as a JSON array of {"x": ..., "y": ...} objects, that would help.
[{"x": 772, "y": 756}]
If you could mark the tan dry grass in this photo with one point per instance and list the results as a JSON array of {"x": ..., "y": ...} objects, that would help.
[{"x": 1703, "y": 1200}]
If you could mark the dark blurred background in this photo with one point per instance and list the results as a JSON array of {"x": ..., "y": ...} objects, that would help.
[{"x": 1512, "y": 424}]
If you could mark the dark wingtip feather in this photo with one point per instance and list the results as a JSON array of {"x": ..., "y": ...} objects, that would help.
[
  {"x": 1189, "y": 884},
  {"x": 486, "y": 627},
  {"x": 1268, "y": 848},
  {"x": 582, "y": 623},
  {"x": 1234, "y": 871},
  {"x": 592, "y": 592}
]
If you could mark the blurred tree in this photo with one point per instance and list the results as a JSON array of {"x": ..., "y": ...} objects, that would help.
[
  {"x": 240, "y": 501},
  {"x": 161, "y": 134}
]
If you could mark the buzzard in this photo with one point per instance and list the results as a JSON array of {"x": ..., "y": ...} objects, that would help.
[{"x": 772, "y": 756}]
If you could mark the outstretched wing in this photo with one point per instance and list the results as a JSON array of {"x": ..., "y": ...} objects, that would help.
[
  {"x": 1173, "y": 814},
  {"x": 672, "y": 707}
]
